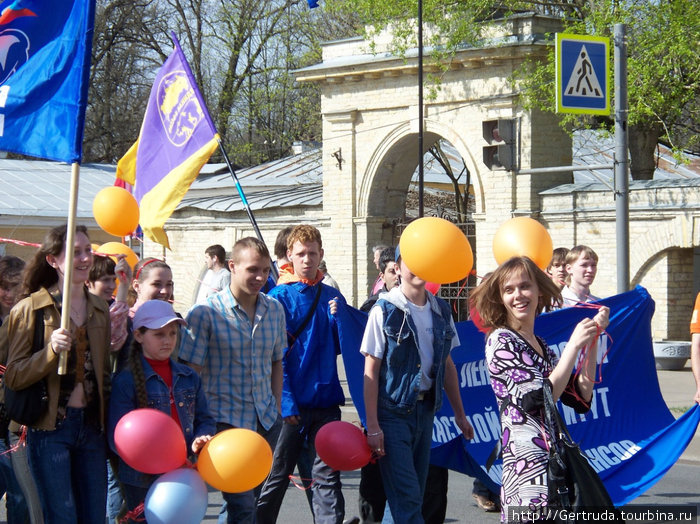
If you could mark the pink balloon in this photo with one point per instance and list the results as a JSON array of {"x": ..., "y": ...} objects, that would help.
[
  {"x": 150, "y": 441},
  {"x": 342, "y": 446},
  {"x": 432, "y": 287}
]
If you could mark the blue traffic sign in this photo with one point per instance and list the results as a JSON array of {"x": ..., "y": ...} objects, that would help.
[{"x": 582, "y": 74}]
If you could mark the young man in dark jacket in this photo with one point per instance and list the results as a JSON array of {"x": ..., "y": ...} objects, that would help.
[{"x": 311, "y": 392}]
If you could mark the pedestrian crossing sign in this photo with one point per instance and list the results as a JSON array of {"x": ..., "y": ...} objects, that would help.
[{"x": 582, "y": 74}]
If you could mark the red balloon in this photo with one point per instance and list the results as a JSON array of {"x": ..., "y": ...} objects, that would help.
[
  {"x": 432, "y": 287},
  {"x": 342, "y": 446},
  {"x": 150, "y": 441}
]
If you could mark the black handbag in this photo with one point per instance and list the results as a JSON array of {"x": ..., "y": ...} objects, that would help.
[
  {"x": 573, "y": 484},
  {"x": 26, "y": 406}
]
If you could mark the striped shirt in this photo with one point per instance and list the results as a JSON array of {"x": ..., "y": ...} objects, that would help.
[{"x": 236, "y": 355}]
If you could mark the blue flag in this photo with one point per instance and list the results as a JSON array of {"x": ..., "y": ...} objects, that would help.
[{"x": 45, "y": 51}]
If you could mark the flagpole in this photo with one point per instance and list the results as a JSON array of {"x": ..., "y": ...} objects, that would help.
[
  {"x": 68, "y": 271},
  {"x": 273, "y": 269}
]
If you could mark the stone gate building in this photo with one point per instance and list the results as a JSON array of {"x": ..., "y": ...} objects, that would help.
[{"x": 369, "y": 110}]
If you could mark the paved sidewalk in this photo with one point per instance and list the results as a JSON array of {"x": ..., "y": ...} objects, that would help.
[{"x": 678, "y": 390}]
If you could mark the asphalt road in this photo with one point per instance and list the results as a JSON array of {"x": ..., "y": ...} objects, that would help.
[{"x": 680, "y": 486}]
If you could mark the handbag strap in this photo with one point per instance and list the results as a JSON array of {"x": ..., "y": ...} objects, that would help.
[
  {"x": 553, "y": 419},
  {"x": 292, "y": 338},
  {"x": 497, "y": 450}
]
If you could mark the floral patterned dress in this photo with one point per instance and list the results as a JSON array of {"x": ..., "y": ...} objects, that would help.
[{"x": 517, "y": 372}]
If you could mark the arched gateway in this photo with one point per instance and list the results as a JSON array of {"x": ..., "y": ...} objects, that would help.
[
  {"x": 370, "y": 123},
  {"x": 370, "y": 142}
]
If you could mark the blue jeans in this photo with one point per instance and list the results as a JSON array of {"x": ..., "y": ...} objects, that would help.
[
  {"x": 327, "y": 495},
  {"x": 17, "y": 512},
  {"x": 240, "y": 507},
  {"x": 69, "y": 466},
  {"x": 25, "y": 479},
  {"x": 114, "y": 494},
  {"x": 404, "y": 468}
]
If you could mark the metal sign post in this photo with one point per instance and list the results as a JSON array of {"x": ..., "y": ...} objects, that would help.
[
  {"x": 622, "y": 233},
  {"x": 583, "y": 87}
]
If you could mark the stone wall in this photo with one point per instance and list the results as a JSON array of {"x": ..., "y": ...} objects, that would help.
[
  {"x": 663, "y": 230},
  {"x": 370, "y": 128},
  {"x": 190, "y": 233}
]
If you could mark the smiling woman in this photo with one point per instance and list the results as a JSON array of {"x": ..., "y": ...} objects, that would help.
[
  {"x": 66, "y": 444},
  {"x": 519, "y": 363}
]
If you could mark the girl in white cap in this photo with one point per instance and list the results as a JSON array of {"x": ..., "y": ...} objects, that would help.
[{"x": 154, "y": 380}]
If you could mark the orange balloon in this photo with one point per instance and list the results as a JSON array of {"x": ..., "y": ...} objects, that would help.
[
  {"x": 117, "y": 248},
  {"x": 235, "y": 460},
  {"x": 523, "y": 236},
  {"x": 436, "y": 250},
  {"x": 116, "y": 211}
]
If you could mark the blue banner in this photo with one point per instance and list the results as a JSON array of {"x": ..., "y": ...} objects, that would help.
[
  {"x": 629, "y": 435},
  {"x": 45, "y": 51}
]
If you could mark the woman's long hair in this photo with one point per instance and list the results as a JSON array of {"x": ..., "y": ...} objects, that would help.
[
  {"x": 487, "y": 297},
  {"x": 38, "y": 272},
  {"x": 137, "y": 371}
]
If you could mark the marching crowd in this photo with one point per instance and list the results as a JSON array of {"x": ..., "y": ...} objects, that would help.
[{"x": 261, "y": 353}]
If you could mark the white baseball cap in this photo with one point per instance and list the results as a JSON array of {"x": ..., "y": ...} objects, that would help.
[{"x": 156, "y": 314}]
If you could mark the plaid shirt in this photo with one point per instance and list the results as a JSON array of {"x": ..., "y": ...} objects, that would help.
[{"x": 236, "y": 356}]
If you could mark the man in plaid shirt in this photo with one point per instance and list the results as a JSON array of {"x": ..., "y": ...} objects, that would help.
[{"x": 235, "y": 341}]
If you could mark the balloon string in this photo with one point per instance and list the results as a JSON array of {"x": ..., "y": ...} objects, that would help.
[
  {"x": 585, "y": 356},
  {"x": 461, "y": 288},
  {"x": 21, "y": 442},
  {"x": 134, "y": 515},
  {"x": 301, "y": 482}
]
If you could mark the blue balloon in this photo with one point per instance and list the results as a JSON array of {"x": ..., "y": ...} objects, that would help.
[{"x": 178, "y": 497}]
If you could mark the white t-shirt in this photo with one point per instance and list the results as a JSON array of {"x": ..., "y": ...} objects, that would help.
[
  {"x": 569, "y": 298},
  {"x": 213, "y": 282},
  {"x": 374, "y": 341}
]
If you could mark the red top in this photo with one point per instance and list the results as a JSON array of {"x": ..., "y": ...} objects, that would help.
[{"x": 162, "y": 367}]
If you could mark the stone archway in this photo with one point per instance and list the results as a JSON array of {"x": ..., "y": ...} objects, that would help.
[{"x": 370, "y": 128}]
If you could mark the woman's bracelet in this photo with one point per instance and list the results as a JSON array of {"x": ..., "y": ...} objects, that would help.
[{"x": 375, "y": 434}]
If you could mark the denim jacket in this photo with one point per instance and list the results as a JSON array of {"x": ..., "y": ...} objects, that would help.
[
  {"x": 400, "y": 371},
  {"x": 190, "y": 401}
]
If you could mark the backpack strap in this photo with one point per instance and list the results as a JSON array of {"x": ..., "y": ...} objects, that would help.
[{"x": 292, "y": 338}]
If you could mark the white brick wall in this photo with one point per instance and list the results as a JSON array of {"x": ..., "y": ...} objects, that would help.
[{"x": 370, "y": 116}]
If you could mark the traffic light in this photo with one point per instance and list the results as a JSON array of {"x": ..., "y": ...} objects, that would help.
[{"x": 500, "y": 135}]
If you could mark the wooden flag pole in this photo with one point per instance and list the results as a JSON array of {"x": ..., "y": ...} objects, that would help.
[{"x": 68, "y": 272}]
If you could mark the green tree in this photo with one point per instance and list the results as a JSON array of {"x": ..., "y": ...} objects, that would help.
[
  {"x": 242, "y": 55},
  {"x": 663, "y": 70}
]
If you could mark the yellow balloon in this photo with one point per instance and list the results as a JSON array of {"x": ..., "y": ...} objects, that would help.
[
  {"x": 436, "y": 250},
  {"x": 116, "y": 211},
  {"x": 117, "y": 248},
  {"x": 235, "y": 460},
  {"x": 523, "y": 237}
]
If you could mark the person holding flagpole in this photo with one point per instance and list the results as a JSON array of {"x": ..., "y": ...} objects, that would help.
[{"x": 67, "y": 443}]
